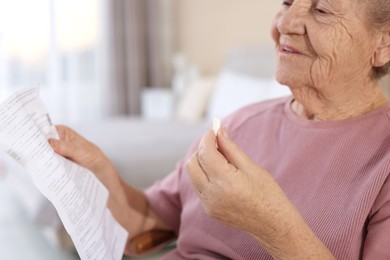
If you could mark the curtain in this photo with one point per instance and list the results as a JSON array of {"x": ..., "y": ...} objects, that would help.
[
  {"x": 59, "y": 46},
  {"x": 142, "y": 49},
  {"x": 91, "y": 58}
]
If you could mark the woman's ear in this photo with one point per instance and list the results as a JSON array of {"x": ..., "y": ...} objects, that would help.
[{"x": 382, "y": 53}]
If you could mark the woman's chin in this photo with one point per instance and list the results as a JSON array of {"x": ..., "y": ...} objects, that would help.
[
  {"x": 284, "y": 79},
  {"x": 290, "y": 78}
]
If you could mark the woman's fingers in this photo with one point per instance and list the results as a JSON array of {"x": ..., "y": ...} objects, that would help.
[
  {"x": 232, "y": 152},
  {"x": 207, "y": 166},
  {"x": 213, "y": 163},
  {"x": 198, "y": 177},
  {"x": 74, "y": 147},
  {"x": 220, "y": 155},
  {"x": 65, "y": 133},
  {"x": 56, "y": 145},
  {"x": 67, "y": 144}
]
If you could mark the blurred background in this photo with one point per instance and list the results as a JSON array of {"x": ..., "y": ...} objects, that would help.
[
  {"x": 141, "y": 78},
  {"x": 94, "y": 58}
]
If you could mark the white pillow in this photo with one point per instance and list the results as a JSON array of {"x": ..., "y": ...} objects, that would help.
[
  {"x": 193, "y": 104},
  {"x": 235, "y": 90}
]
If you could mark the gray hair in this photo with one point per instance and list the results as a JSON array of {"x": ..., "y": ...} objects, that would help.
[{"x": 379, "y": 17}]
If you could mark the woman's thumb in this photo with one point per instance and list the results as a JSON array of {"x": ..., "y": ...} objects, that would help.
[
  {"x": 231, "y": 151},
  {"x": 60, "y": 147}
]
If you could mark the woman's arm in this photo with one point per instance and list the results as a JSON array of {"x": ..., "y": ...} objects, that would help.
[
  {"x": 239, "y": 193},
  {"x": 128, "y": 205}
]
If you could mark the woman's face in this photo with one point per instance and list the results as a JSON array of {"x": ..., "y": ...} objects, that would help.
[{"x": 324, "y": 44}]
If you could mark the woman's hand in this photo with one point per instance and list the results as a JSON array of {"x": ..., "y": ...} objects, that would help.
[
  {"x": 233, "y": 189},
  {"x": 128, "y": 204},
  {"x": 76, "y": 148},
  {"x": 239, "y": 193},
  {"x": 79, "y": 150}
]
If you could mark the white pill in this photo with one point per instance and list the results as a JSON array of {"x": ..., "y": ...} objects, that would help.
[{"x": 216, "y": 125}]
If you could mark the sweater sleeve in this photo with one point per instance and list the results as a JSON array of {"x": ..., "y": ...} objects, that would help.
[
  {"x": 164, "y": 198},
  {"x": 377, "y": 241}
]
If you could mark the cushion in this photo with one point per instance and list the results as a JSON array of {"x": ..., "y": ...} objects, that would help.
[
  {"x": 192, "y": 105},
  {"x": 234, "y": 90}
]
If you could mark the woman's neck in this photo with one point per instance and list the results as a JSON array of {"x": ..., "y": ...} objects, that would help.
[{"x": 317, "y": 107}]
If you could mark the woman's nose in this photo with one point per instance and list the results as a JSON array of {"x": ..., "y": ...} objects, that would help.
[{"x": 292, "y": 21}]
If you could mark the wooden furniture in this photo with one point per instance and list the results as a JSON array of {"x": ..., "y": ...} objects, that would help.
[{"x": 151, "y": 241}]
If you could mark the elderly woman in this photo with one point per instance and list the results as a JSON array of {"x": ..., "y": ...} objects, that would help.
[{"x": 304, "y": 177}]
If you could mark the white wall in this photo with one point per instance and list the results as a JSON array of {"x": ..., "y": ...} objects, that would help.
[{"x": 207, "y": 29}]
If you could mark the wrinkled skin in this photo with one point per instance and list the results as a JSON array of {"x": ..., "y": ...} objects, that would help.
[{"x": 331, "y": 74}]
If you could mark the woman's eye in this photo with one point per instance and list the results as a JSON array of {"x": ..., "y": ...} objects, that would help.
[
  {"x": 320, "y": 11},
  {"x": 286, "y": 3}
]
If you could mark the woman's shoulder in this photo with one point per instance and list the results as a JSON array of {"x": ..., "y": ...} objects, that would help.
[{"x": 254, "y": 110}]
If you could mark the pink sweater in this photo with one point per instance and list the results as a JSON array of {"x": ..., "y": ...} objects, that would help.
[{"x": 335, "y": 173}]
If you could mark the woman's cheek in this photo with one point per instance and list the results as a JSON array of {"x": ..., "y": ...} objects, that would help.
[{"x": 329, "y": 55}]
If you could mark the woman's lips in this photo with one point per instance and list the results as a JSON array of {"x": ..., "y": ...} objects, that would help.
[{"x": 288, "y": 49}]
